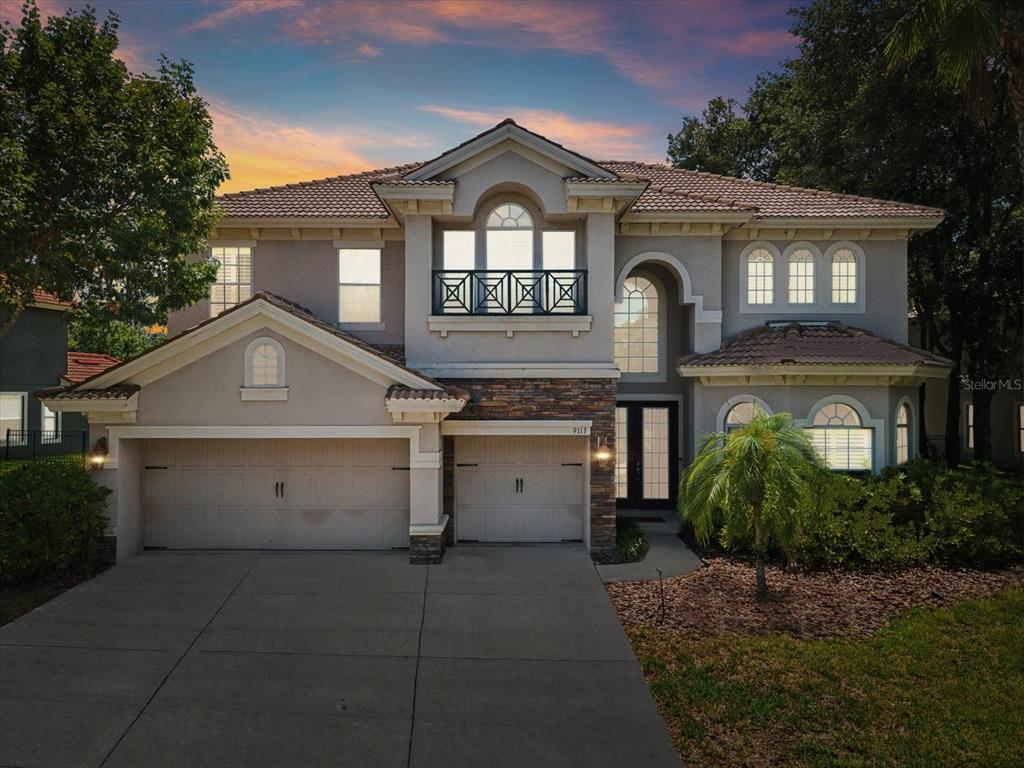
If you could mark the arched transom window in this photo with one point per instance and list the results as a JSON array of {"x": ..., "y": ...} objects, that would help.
[
  {"x": 839, "y": 438},
  {"x": 637, "y": 328},
  {"x": 740, "y": 415},
  {"x": 510, "y": 238},
  {"x": 844, "y": 277},
  {"x": 759, "y": 277},
  {"x": 264, "y": 363},
  {"x": 903, "y": 434},
  {"x": 801, "y": 277}
]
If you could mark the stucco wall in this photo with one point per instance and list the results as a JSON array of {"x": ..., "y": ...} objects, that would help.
[
  {"x": 206, "y": 392},
  {"x": 33, "y": 355},
  {"x": 546, "y": 185},
  {"x": 306, "y": 272},
  {"x": 885, "y": 290},
  {"x": 879, "y": 401}
]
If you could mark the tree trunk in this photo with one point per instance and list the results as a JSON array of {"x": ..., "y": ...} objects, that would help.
[
  {"x": 1013, "y": 50},
  {"x": 759, "y": 554}
]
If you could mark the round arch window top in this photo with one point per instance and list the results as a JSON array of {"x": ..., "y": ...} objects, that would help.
[{"x": 510, "y": 216}]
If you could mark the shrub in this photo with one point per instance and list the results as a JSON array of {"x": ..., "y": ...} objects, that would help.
[
  {"x": 51, "y": 520},
  {"x": 631, "y": 542}
]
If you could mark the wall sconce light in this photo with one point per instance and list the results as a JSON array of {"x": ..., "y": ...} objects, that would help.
[
  {"x": 98, "y": 455},
  {"x": 603, "y": 452}
]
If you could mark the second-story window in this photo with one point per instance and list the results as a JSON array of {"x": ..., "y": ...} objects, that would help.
[
  {"x": 637, "y": 328},
  {"x": 359, "y": 294},
  {"x": 759, "y": 277},
  {"x": 559, "y": 250},
  {"x": 510, "y": 238},
  {"x": 801, "y": 277},
  {"x": 459, "y": 249},
  {"x": 234, "y": 278},
  {"x": 844, "y": 277}
]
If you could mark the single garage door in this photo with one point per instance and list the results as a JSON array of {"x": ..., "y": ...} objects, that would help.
[
  {"x": 277, "y": 493},
  {"x": 519, "y": 488}
]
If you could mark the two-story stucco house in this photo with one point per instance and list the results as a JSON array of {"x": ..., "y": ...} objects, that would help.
[{"x": 506, "y": 343}]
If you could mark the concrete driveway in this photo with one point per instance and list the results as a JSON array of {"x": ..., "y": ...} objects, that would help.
[{"x": 501, "y": 656}]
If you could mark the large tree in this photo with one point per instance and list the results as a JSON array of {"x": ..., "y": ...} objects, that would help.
[
  {"x": 107, "y": 178},
  {"x": 838, "y": 116}
]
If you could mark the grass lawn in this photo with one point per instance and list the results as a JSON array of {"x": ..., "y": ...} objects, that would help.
[
  {"x": 935, "y": 687},
  {"x": 16, "y": 602}
]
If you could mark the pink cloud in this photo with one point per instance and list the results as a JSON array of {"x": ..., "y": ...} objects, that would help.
[
  {"x": 664, "y": 46},
  {"x": 595, "y": 138}
]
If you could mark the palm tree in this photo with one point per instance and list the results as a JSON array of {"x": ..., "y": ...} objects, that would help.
[
  {"x": 969, "y": 35},
  {"x": 749, "y": 481}
]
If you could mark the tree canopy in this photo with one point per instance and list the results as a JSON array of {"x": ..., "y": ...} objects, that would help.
[
  {"x": 107, "y": 178},
  {"x": 839, "y": 116}
]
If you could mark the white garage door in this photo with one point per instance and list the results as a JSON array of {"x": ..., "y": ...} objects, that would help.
[
  {"x": 277, "y": 493},
  {"x": 519, "y": 488}
]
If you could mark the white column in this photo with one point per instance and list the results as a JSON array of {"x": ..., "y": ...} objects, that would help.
[
  {"x": 601, "y": 279},
  {"x": 426, "y": 486},
  {"x": 418, "y": 285}
]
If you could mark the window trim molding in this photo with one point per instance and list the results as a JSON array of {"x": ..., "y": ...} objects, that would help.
[
  {"x": 282, "y": 380},
  {"x": 816, "y": 259},
  {"x": 662, "y": 373},
  {"x": 239, "y": 244},
  {"x": 373, "y": 325},
  {"x": 857, "y": 307},
  {"x": 878, "y": 446},
  {"x": 24, "y": 414},
  {"x": 686, "y": 294},
  {"x": 735, "y": 400},
  {"x": 911, "y": 429},
  {"x": 57, "y": 419},
  {"x": 758, "y": 309}
]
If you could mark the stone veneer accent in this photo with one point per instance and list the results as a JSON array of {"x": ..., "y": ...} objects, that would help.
[
  {"x": 591, "y": 399},
  {"x": 426, "y": 550}
]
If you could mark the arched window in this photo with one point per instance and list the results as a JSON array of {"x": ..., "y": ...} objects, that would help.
[
  {"x": 264, "y": 363},
  {"x": 903, "y": 434},
  {"x": 840, "y": 439},
  {"x": 510, "y": 238},
  {"x": 844, "y": 277},
  {"x": 637, "y": 328},
  {"x": 741, "y": 414},
  {"x": 801, "y": 277},
  {"x": 759, "y": 277}
]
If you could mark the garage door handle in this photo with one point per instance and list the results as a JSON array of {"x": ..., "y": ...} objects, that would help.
[
  {"x": 277, "y": 490},
  {"x": 282, "y": 489}
]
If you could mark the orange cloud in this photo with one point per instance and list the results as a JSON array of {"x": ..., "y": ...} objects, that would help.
[
  {"x": 595, "y": 138},
  {"x": 264, "y": 150}
]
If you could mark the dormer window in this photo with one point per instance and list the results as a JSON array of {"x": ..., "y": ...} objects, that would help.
[
  {"x": 264, "y": 370},
  {"x": 510, "y": 238}
]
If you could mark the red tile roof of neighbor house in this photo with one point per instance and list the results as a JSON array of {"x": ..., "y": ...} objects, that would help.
[
  {"x": 671, "y": 190},
  {"x": 84, "y": 365},
  {"x": 45, "y": 297},
  {"x": 811, "y": 344}
]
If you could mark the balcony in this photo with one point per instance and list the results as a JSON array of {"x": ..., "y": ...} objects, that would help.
[{"x": 488, "y": 292}]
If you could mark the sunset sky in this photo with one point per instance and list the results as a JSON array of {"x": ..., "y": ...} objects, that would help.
[{"x": 301, "y": 89}]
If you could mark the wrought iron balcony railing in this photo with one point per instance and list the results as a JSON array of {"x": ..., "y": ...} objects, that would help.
[{"x": 517, "y": 292}]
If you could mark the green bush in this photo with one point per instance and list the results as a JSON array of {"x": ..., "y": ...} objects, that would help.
[
  {"x": 922, "y": 512},
  {"x": 631, "y": 542},
  {"x": 51, "y": 520}
]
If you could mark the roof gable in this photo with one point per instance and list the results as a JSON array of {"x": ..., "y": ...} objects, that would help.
[
  {"x": 262, "y": 310},
  {"x": 509, "y": 131}
]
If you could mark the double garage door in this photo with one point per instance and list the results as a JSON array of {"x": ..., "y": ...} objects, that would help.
[
  {"x": 518, "y": 488},
  {"x": 276, "y": 493}
]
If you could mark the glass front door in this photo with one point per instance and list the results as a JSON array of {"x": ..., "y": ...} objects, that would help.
[{"x": 646, "y": 455}]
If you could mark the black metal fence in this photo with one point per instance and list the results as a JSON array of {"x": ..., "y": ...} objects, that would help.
[
  {"x": 519, "y": 292},
  {"x": 40, "y": 444}
]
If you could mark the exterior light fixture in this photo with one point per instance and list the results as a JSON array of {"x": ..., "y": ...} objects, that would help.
[
  {"x": 603, "y": 452},
  {"x": 98, "y": 456}
]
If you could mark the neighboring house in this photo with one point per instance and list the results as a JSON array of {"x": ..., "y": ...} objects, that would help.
[
  {"x": 505, "y": 343},
  {"x": 33, "y": 356}
]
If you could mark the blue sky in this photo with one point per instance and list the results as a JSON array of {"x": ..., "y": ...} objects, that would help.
[{"x": 302, "y": 89}]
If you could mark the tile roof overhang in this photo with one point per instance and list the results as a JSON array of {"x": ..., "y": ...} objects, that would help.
[
  {"x": 804, "y": 352},
  {"x": 657, "y": 192}
]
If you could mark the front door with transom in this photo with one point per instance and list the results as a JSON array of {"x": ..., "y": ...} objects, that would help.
[{"x": 646, "y": 455}]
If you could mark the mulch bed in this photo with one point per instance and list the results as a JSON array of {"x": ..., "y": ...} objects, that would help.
[{"x": 719, "y": 598}]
